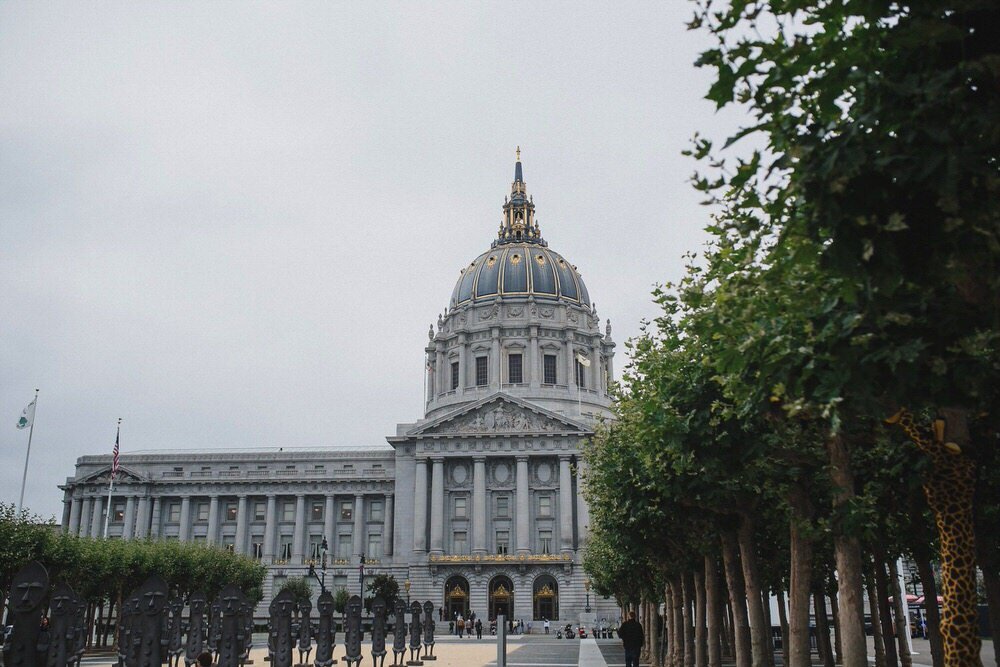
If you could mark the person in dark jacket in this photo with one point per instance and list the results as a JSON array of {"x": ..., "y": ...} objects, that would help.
[{"x": 632, "y": 640}]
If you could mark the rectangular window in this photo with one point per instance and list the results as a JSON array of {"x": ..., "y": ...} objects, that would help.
[
  {"x": 346, "y": 510},
  {"x": 231, "y": 509},
  {"x": 455, "y": 378},
  {"x": 544, "y": 505},
  {"x": 503, "y": 506},
  {"x": 315, "y": 547},
  {"x": 460, "y": 542},
  {"x": 503, "y": 541},
  {"x": 461, "y": 508},
  {"x": 514, "y": 374},
  {"x": 257, "y": 546},
  {"x": 344, "y": 546},
  {"x": 118, "y": 516},
  {"x": 376, "y": 511},
  {"x": 200, "y": 539},
  {"x": 259, "y": 511},
  {"x": 288, "y": 511},
  {"x": 482, "y": 371},
  {"x": 201, "y": 512},
  {"x": 229, "y": 542},
  {"x": 285, "y": 553},
  {"x": 545, "y": 541},
  {"x": 316, "y": 511},
  {"x": 374, "y": 547},
  {"x": 549, "y": 369},
  {"x": 581, "y": 374},
  {"x": 174, "y": 513}
]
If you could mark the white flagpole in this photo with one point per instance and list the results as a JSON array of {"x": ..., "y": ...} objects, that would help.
[
  {"x": 111, "y": 486},
  {"x": 27, "y": 455}
]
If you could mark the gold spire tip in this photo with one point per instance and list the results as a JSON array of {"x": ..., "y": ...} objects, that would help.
[{"x": 518, "y": 152}]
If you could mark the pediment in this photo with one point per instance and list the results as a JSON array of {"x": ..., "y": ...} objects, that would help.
[
  {"x": 500, "y": 414},
  {"x": 103, "y": 476}
]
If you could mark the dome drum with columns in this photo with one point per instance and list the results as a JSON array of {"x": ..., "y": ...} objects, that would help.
[{"x": 478, "y": 504}]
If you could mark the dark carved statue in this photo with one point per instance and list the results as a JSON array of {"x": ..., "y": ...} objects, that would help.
[
  {"x": 126, "y": 619},
  {"x": 246, "y": 616},
  {"x": 399, "y": 633},
  {"x": 214, "y": 626},
  {"x": 231, "y": 638},
  {"x": 62, "y": 627},
  {"x": 280, "y": 629},
  {"x": 415, "y": 630},
  {"x": 81, "y": 631},
  {"x": 175, "y": 631},
  {"x": 378, "y": 631},
  {"x": 352, "y": 631},
  {"x": 27, "y": 592},
  {"x": 305, "y": 631},
  {"x": 326, "y": 630},
  {"x": 429, "y": 631},
  {"x": 195, "y": 627},
  {"x": 149, "y": 625}
]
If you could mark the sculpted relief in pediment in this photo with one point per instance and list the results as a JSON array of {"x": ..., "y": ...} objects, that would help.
[{"x": 500, "y": 417}]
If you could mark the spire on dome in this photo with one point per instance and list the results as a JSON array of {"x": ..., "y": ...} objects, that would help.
[{"x": 519, "y": 224}]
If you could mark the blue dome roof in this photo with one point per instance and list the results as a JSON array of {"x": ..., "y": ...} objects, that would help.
[{"x": 519, "y": 270}]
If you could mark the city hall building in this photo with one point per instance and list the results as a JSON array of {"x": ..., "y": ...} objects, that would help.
[{"x": 478, "y": 505}]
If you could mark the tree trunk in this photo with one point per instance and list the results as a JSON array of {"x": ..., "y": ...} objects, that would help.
[
  {"x": 668, "y": 625},
  {"x": 737, "y": 599},
  {"x": 713, "y": 612},
  {"x": 847, "y": 550},
  {"x": 902, "y": 622},
  {"x": 783, "y": 620},
  {"x": 823, "y": 646},
  {"x": 751, "y": 579},
  {"x": 837, "y": 639},
  {"x": 654, "y": 635},
  {"x": 932, "y": 615},
  {"x": 688, "y": 592},
  {"x": 884, "y": 612},
  {"x": 678, "y": 624},
  {"x": 877, "y": 638},
  {"x": 801, "y": 551},
  {"x": 700, "y": 647},
  {"x": 765, "y": 600},
  {"x": 730, "y": 627}
]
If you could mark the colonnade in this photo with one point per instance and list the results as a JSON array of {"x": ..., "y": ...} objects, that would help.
[
  {"x": 143, "y": 518},
  {"x": 568, "y": 505}
]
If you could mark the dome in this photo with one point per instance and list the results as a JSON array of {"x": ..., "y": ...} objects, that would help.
[{"x": 519, "y": 270}]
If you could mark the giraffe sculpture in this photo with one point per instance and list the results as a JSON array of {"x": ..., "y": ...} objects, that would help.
[{"x": 949, "y": 490}]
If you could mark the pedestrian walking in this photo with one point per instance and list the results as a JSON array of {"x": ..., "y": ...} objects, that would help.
[
  {"x": 545, "y": 624},
  {"x": 479, "y": 629},
  {"x": 632, "y": 640},
  {"x": 461, "y": 627}
]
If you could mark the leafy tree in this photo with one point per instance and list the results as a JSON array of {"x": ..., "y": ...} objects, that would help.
[
  {"x": 384, "y": 585},
  {"x": 299, "y": 588}
]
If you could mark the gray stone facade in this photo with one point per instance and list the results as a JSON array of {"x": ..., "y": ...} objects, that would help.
[{"x": 478, "y": 505}]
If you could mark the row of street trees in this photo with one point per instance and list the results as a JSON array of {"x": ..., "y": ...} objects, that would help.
[
  {"x": 820, "y": 391},
  {"x": 102, "y": 571}
]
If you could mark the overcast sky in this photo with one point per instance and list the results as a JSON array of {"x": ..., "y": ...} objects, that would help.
[{"x": 231, "y": 224}]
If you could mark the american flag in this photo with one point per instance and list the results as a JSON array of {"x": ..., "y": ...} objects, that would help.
[{"x": 114, "y": 462}]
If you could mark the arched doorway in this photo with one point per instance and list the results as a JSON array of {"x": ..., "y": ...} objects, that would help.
[
  {"x": 456, "y": 597},
  {"x": 545, "y": 598},
  {"x": 501, "y": 596}
]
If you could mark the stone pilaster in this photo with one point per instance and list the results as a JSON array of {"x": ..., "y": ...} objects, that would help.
[
  {"x": 240, "y": 541},
  {"x": 359, "y": 524},
  {"x": 299, "y": 532},
  {"x": 74, "y": 517},
  {"x": 128, "y": 530},
  {"x": 437, "y": 506},
  {"x": 213, "y": 520},
  {"x": 184, "y": 531},
  {"x": 522, "y": 519},
  {"x": 270, "y": 528},
  {"x": 389, "y": 525},
  {"x": 420, "y": 507},
  {"x": 565, "y": 504}
]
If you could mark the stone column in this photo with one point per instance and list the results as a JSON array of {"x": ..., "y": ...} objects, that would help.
[
  {"x": 463, "y": 366},
  {"x": 142, "y": 517},
  {"x": 74, "y": 517},
  {"x": 534, "y": 361},
  {"x": 611, "y": 370},
  {"x": 437, "y": 506},
  {"x": 479, "y": 505},
  {"x": 213, "y": 520},
  {"x": 570, "y": 362},
  {"x": 582, "y": 511},
  {"x": 388, "y": 525},
  {"x": 495, "y": 361},
  {"x": 128, "y": 530},
  {"x": 565, "y": 504},
  {"x": 442, "y": 379},
  {"x": 270, "y": 526},
  {"x": 97, "y": 518},
  {"x": 523, "y": 516},
  {"x": 184, "y": 529},
  {"x": 240, "y": 541},
  {"x": 329, "y": 521},
  {"x": 420, "y": 506},
  {"x": 595, "y": 368},
  {"x": 86, "y": 509},
  {"x": 359, "y": 524},
  {"x": 299, "y": 532},
  {"x": 67, "y": 510},
  {"x": 154, "y": 527}
]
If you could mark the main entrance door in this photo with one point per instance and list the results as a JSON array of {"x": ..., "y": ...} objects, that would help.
[
  {"x": 545, "y": 596},
  {"x": 501, "y": 596},
  {"x": 456, "y": 597}
]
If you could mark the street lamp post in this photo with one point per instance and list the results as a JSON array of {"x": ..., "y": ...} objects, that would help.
[
  {"x": 362, "y": 576},
  {"x": 312, "y": 568},
  {"x": 586, "y": 587}
]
